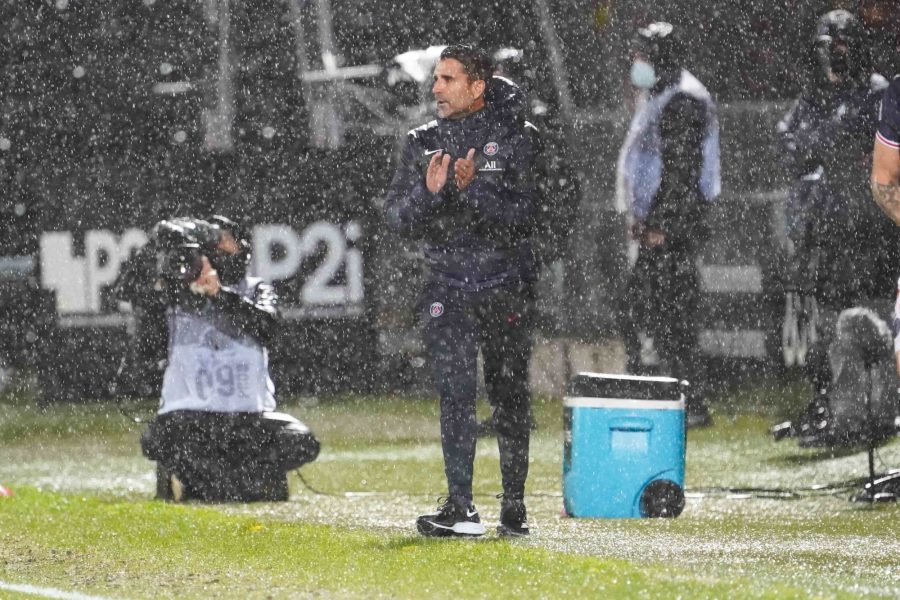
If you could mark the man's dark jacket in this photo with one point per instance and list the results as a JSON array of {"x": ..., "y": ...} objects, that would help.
[{"x": 479, "y": 237}]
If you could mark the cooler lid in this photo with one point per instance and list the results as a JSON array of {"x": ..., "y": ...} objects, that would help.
[{"x": 631, "y": 387}]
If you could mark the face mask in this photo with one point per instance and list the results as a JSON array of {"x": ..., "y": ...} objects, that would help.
[
  {"x": 642, "y": 74},
  {"x": 840, "y": 63}
]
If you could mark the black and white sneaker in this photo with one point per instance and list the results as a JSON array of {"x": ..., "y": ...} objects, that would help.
[
  {"x": 513, "y": 518},
  {"x": 453, "y": 519}
]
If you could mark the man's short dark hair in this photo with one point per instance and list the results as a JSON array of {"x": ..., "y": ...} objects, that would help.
[{"x": 475, "y": 61}]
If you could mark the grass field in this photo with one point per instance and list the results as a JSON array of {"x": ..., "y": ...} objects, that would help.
[{"x": 83, "y": 520}]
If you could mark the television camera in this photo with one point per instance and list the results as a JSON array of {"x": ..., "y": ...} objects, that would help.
[{"x": 173, "y": 257}]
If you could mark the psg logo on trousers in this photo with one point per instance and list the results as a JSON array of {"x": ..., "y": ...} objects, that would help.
[{"x": 436, "y": 309}]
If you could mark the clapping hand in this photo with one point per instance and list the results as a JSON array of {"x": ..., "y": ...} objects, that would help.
[
  {"x": 464, "y": 170},
  {"x": 436, "y": 176}
]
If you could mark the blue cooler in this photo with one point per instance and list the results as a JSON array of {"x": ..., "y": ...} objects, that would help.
[{"x": 624, "y": 446}]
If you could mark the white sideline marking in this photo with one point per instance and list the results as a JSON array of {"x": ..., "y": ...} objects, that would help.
[{"x": 46, "y": 592}]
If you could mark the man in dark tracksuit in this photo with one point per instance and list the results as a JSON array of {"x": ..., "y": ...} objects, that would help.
[{"x": 466, "y": 187}]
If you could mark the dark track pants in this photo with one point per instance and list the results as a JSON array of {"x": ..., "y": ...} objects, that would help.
[
  {"x": 456, "y": 325},
  {"x": 228, "y": 456},
  {"x": 662, "y": 299}
]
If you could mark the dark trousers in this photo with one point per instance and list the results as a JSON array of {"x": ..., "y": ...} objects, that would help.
[
  {"x": 662, "y": 300},
  {"x": 228, "y": 456},
  {"x": 456, "y": 325}
]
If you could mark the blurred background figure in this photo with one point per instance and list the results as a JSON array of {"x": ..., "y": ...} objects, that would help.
[
  {"x": 845, "y": 253},
  {"x": 881, "y": 18},
  {"x": 668, "y": 172}
]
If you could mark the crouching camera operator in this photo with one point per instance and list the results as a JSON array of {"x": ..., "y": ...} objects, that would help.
[{"x": 216, "y": 436}]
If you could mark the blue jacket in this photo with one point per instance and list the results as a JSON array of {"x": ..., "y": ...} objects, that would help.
[{"x": 479, "y": 237}]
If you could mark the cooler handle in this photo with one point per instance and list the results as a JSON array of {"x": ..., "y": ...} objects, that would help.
[{"x": 630, "y": 424}]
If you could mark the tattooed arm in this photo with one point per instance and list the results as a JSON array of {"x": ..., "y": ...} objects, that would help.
[{"x": 886, "y": 179}]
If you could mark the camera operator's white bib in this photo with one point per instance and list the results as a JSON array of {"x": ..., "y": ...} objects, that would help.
[{"x": 212, "y": 370}]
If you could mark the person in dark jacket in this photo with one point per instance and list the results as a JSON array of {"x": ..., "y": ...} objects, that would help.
[
  {"x": 216, "y": 436},
  {"x": 466, "y": 187},
  {"x": 668, "y": 172},
  {"x": 845, "y": 253},
  {"x": 827, "y": 137}
]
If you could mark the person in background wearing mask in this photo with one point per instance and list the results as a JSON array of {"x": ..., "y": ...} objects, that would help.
[
  {"x": 216, "y": 436},
  {"x": 668, "y": 173},
  {"x": 845, "y": 252}
]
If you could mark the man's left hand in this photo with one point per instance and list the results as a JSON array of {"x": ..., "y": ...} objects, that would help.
[
  {"x": 464, "y": 170},
  {"x": 653, "y": 238}
]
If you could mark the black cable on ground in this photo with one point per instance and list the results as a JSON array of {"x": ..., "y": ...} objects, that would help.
[
  {"x": 113, "y": 391},
  {"x": 813, "y": 491},
  {"x": 314, "y": 490},
  {"x": 126, "y": 414},
  {"x": 768, "y": 493},
  {"x": 775, "y": 493},
  {"x": 429, "y": 494}
]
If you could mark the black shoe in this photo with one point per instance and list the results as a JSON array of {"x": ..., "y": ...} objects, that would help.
[
  {"x": 812, "y": 427},
  {"x": 817, "y": 433},
  {"x": 513, "y": 518},
  {"x": 783, "y": 430},
  {"x": 453, "y": 519}
]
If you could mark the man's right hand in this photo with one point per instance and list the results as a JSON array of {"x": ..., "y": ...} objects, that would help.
[{"x": 438, "y": 168}]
